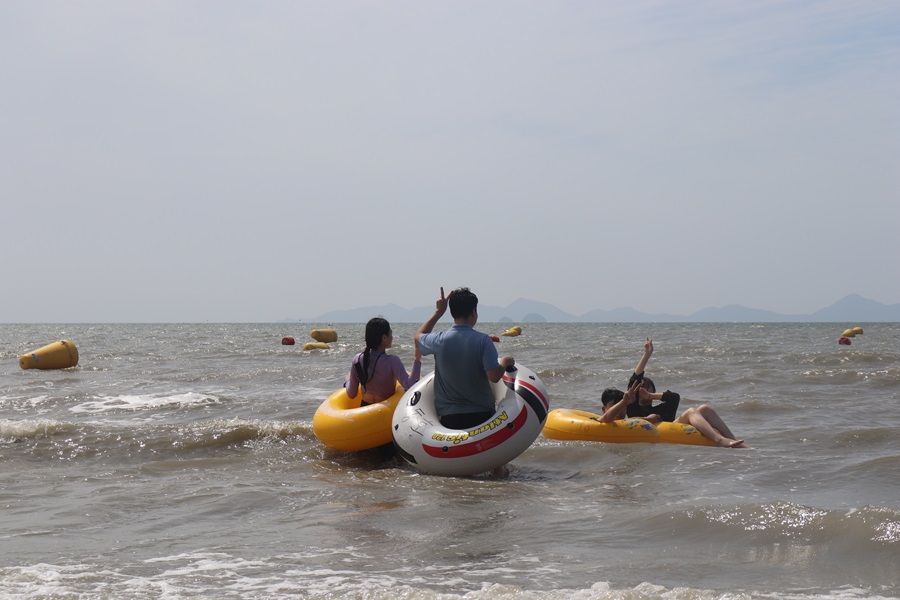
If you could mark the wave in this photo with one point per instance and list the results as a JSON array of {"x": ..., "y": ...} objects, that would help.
[
  {"x": 142, "y": 402},
  {"x": 64, "y": 439},
  {"x": 301, "y": 575},
  {"x": 782, "y": 521}
]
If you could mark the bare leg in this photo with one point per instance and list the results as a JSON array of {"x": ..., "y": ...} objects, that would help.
[
  {"x": 697, "y": 417},
  {"x": 712, "y": 417}
]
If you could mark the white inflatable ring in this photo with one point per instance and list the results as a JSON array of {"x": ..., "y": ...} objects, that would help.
[{"x": 522, "y": 406}]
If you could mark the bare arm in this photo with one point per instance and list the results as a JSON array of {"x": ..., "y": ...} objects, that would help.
[
  {"x": 440, "y": 307},
  {"x": 617, "y": 410},
  {"x": 496, "y": 374},
  {"x": 642, "y": 364}
]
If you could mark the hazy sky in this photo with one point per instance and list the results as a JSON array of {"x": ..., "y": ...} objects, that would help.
[{"x": 251, "y": 161}]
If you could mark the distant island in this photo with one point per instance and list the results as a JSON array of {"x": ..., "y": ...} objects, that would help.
[{"x": 852, "y": 309}]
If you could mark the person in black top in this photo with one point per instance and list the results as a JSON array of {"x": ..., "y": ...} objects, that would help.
[
  {"x": 703, "y": 417},
  {"x": 643, "y": 407}
]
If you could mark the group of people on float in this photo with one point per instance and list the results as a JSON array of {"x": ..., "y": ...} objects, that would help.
[{"x": 467, "y": 362}]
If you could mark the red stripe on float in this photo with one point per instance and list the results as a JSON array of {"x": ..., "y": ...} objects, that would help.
[{"x": 477, "y": 446}]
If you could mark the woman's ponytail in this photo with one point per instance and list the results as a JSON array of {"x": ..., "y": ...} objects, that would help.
[{"x": 376, "y": 329}]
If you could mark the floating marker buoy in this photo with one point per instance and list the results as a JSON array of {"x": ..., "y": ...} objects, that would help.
[
  {"x": 323, "y": 335},
  {"x": 58, "y": 355},
  {"x": 287, "y": 341},
  {"x": 512, "y": 331},
  {"x": 848, "y": 333},
  {"x": 844, "y": 341},
  {"x": 857, "y": 330},
  {"x": 494, "y": 338},
  {"x": 315, "y": 346}
]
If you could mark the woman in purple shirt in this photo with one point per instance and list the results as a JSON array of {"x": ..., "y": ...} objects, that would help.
[{"x": 376, "y": 371}]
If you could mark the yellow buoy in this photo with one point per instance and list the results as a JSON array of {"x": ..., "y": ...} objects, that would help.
[
  {"x": 323, "y": 335},
  {"x": 58, "y": 355},
  {"x": 315, "y": 346},
  {"x": 512, "y": 331},
  {"x": 857, "y": 330},
  {"x": 849, "y": 333}
]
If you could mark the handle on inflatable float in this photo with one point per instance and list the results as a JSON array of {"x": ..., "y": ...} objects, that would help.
[{"x": 522, "y": 407}]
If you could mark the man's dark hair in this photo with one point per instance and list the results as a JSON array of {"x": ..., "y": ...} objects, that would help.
[
  {"x": 611, "y": 395},
  {"x": 462, "y": 303}
]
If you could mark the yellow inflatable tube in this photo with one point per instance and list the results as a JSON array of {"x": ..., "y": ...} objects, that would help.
[
  {"x": 341, "y": 423},
  {"x": 569, "y": 424},
  {"x": 679, "y": 433}
]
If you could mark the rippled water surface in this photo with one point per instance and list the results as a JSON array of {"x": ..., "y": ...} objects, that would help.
[{"x": 179, "y": 461}]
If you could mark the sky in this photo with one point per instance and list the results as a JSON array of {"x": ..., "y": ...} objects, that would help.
[{"x": 223, "y": 161}]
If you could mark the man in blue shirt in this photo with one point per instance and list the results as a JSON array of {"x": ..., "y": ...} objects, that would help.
[{"x": 465, "y": 362}]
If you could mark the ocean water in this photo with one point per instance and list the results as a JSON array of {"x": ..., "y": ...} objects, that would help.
[{"x": 178, "y": 461}]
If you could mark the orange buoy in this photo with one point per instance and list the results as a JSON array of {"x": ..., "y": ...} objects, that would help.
[
  {"x": 287, "y": 341},
  {"x": 58, "y": 355},
  {"x": 494, "y": 338},
  {"x": 844, "y": 341}
]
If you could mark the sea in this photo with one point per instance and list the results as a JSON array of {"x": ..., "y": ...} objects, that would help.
[{"x": 179, "y": 461}]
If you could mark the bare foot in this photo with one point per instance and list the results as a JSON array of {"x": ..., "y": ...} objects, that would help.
[{"x": 726, "y": 443}]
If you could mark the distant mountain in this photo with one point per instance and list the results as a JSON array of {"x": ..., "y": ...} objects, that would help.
[
  {"x": 530, "y": 311},
  {"x": 628, "y": 315},
  {"x": 852, "y": 309},
  {"x": 742, "y": 314},
  {"x": 533, "y": 318},
  {"x": 854, "y": 304}
]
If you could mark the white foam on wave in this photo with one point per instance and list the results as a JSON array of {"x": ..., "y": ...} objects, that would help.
[
  {"x": 215, "y": 574},
  {"x": 133, "y": 403},
  {"x": 11, "y": 430},
  {"x": 27, "y": 404}
]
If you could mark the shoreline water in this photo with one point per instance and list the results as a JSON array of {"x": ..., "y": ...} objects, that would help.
[{"x": 178, "y": 460}]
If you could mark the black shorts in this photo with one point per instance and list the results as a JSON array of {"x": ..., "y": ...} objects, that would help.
[{"x": 466, "y": 420}]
